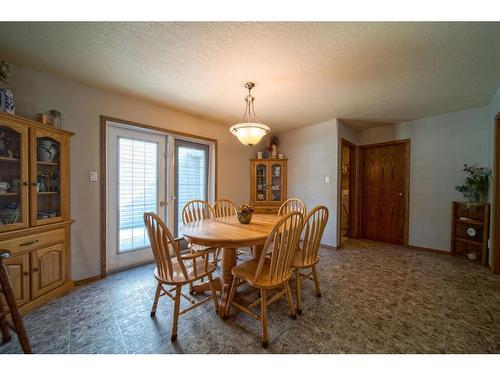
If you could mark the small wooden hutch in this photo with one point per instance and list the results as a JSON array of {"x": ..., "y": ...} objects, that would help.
[{"x": 268, "y": 178}]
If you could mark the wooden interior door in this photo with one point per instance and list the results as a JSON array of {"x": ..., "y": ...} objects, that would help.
[
  {"x": 384, "y": 191},
  {"x": 48, "y": 269},
  {"x": 19, "y": 276}
]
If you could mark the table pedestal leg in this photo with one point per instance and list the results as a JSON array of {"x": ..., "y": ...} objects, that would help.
[{"x": 228, "y": 262}]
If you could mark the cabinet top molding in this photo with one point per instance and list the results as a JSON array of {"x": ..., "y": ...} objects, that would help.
[{"x": 6, "y": 118}]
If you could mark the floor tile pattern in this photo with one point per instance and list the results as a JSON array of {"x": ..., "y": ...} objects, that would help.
[{"x": 377, "y": 298}]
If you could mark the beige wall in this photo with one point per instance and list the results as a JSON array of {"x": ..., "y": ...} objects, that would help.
[
  {"x": 81, "y": 107},
  {"x": 312, "y": 153},
  {"x": 440, "y": 146}
]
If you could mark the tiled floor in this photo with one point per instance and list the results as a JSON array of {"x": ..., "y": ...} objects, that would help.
[{"x": 376, "y": 299}]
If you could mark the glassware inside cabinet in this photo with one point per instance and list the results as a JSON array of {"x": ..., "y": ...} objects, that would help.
[
  {"x": 10, "y": 175},
  {"x": 276, "y": 182},
  {"x": 48, "y": 179},
  {"x": 261, "y": 183}
]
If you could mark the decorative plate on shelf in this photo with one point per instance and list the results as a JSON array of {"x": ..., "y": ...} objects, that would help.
[{"x": 471, "y": 232}]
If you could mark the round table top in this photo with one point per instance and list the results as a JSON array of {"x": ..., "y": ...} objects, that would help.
[{"x": 229, "y": 232}]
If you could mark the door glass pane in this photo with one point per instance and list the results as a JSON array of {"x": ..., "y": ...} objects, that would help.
[
  {"x": 261, "y": 182},
  {"x": 137, "y": 191},
  {"x": 276, "y": 182},
  {"x": 10, "y": 172},
  {"x": 191, "y": 175},
  {"x": 48, "y": 179}
]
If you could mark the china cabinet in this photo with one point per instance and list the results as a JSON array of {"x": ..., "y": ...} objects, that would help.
[
  {"x": 34, "y": 209},
  {"x": 267, "y": 184}
]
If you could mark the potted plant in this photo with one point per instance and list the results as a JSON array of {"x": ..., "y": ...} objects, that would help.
[
  {"x": 6, "y": 96},
  {"x": 245, "y": 213},
  {"x": 475, "y": 185}
]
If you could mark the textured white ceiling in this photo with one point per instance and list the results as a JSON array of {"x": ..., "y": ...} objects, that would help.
[{"x": 305, "y": 72}]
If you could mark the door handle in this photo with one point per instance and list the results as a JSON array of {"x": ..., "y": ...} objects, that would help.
[{"x": 163, "y": 203}]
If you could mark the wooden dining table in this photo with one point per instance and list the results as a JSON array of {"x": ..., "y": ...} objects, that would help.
[{"x": 229, "y": 234}]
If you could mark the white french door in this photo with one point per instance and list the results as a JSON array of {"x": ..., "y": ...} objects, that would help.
[
  {"x": 136, "y": 176},
  {"x": 150, "y": 171},
  {"x": 191, "y": 176}
]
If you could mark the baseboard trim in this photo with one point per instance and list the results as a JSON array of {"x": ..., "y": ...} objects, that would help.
[
  {"x": 429, "y": 249},
  {"x": 59, "y": 291},
  {"x": 87, "y": 280},
  {"x": 329, "y": 247}
]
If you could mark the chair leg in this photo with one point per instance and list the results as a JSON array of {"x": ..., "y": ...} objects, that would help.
[
  {"x": 298, "y": 295},
  {"x": 17, "y": 320},
  {"x": 316, "y": 281},
  {"x": 263, "y": 317},
  {"x": 157, "y": 297},
  {"x": 291, "y": 307},
  {"x": 4, "y": 327},
  {"x": 214, "y": 294},
  {"x": 177, "y": 305},
  {"x": 216, "y": 257},
  {"x": 232, "y": 292},
  {"x": 191, "y": 288}
]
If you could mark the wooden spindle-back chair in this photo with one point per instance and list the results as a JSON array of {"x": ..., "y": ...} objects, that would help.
[
  {"x": 224, "y": 207},
  {"x": 307, "y": 254},
  {"x": 291, "y": 205},
  {"x": 176, "y": 270},
  {"x": 196, "y": 210},
  {"x": 270, "y": 272}
]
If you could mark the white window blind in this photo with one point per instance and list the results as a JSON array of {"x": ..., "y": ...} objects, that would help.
[
  {"x": 137, "y": 191},
  {"x": 192, "y": 174}
]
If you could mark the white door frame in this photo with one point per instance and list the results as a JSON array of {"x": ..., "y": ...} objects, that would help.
[{"x": 168, "y": 160}]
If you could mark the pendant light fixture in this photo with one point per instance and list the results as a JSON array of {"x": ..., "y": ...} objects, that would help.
[{"x": 250, "y": 130}]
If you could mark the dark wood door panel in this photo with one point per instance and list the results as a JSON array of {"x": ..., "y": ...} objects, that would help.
[{"x": 384, "y": 192}]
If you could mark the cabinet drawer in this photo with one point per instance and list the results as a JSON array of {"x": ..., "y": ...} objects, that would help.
[
  {"x": 33, "y": 241},
  {"x": 266, "y": 209}
]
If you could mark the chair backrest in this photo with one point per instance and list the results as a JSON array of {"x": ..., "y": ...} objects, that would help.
[
  {"x": 163, "y": 245},
  {"x": 312, "y": 232},
  {"x": 196, "y": 210},
  {"x": 224, "y": 207},
  {"x": 291, "y": 205},
  {"x": 284, "y": 239}
]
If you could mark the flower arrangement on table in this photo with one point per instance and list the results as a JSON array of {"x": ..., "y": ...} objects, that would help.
[
  {"x": 475, "y": 185},
  {"x": 245, "y": 213}
]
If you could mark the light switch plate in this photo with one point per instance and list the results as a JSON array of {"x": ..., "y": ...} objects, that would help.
[
  {"x": 327, "y": 179},
  {"x": 93, "y": 176}
]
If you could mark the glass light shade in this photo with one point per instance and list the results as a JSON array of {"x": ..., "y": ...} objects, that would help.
[{"x": 249, "y": 133}]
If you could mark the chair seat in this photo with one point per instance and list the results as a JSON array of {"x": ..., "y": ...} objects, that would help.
[
  {"x": 195, "y": 247},
  {"x": 298, "y": 263},
  {"x": 246, "y": 271},
  {"x": 178, "y": 276}
]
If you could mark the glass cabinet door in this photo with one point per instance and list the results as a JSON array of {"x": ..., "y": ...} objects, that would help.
[
  {"x": 13, "y": 177},
  {"x": 276, "y": 183},
  {"x": 261, "y": 183},
  {"x": 47, "y": 177}
]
